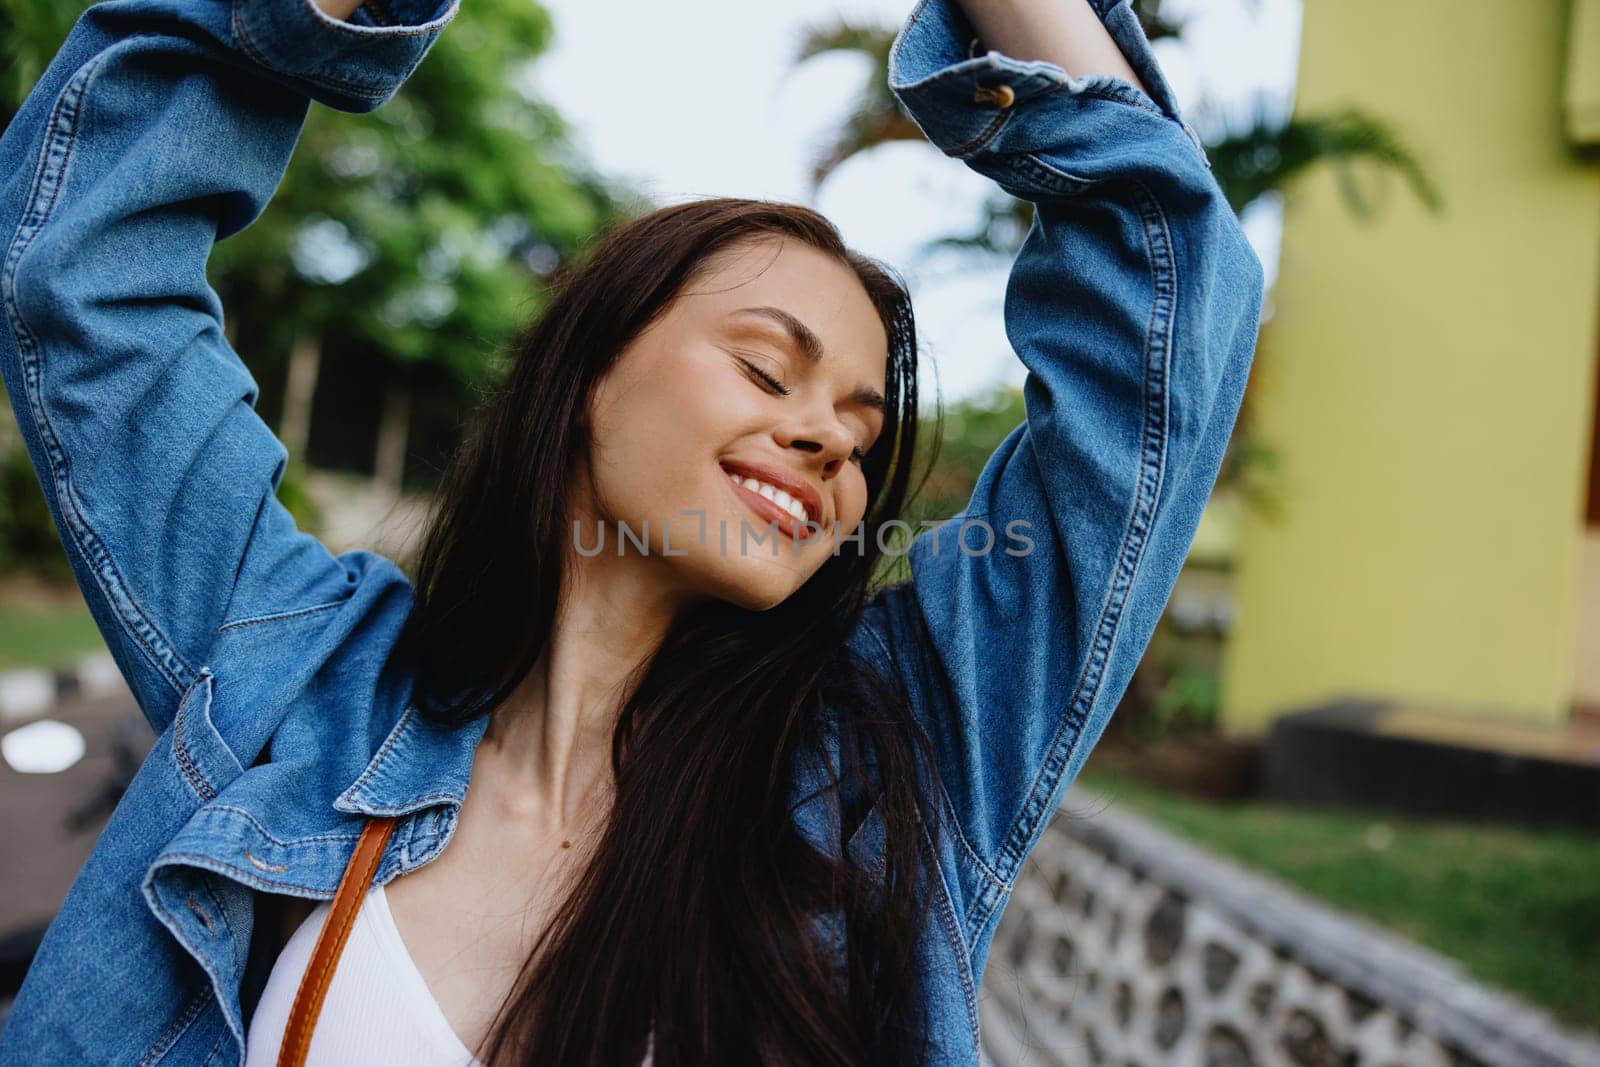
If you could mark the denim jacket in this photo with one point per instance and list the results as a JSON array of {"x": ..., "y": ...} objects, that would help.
[{"x": 258, "y": 657}]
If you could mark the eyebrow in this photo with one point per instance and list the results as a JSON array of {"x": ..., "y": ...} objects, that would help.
[{"x": 810, "y": 345}]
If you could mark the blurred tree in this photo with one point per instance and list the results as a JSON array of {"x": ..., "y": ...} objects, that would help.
[
  {"x": 420, "y": 231},
  {"x": 30, "y": 33},
  {"x": 417, "y": 236}
]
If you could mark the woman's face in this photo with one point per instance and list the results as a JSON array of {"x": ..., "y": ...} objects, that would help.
[{"x": 685, "y": 407}]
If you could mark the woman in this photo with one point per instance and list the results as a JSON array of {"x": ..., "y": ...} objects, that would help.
[{"x": 729, "y": 801}]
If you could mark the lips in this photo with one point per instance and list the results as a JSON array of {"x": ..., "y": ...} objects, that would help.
[
  {"x": 788, "y": 527},
  {"x": 778, "y": 478}
]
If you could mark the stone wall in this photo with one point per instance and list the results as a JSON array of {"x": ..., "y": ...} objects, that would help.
[{"x": 1124, "y": 945}]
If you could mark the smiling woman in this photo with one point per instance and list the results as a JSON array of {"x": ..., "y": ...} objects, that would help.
[
  {"x": 697, "y": 796},
  {"x": 635, "y": 399},
  {"x": 796, "y": 407}
]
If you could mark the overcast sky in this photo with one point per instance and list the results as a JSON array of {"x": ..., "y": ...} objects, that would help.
[{"x": 698, "y": 98}]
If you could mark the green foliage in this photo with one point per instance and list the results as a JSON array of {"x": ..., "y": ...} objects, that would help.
[
  {"x": 1193, "y": 692},
  {"x": 50, "y": 631},
  {"x": 1273, "y": 151},
  {"x": 971, "y": 431},
  {"x": 423, "y": 229},
  {"x": 297, "y": 499},
  {"x": 27, "y": 533},
  {"x": 30, "y": 33},
  {"x": 952, "y": 451}
]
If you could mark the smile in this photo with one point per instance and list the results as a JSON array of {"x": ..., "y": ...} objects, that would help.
[{"x": 774, "y": 505}]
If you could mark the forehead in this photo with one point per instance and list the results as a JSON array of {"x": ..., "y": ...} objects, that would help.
[{"x": 820, "y": 291}]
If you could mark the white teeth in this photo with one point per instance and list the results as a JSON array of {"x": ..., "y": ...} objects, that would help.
[{"x": 774, "y": 494}]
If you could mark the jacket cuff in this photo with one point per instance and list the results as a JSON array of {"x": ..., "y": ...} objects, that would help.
[
  {"x": 353, "y": 65},
  {"x": 961, "y": 100}
]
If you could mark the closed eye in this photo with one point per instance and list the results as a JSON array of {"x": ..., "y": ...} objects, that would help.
[
  {"x": 766, "y": 379},
  {"x": 857, "y": 454}
]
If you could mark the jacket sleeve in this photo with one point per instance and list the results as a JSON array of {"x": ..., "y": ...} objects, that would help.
[
  {"x": 1134, "y": 303},
  {"x": 160, "y": 127}
]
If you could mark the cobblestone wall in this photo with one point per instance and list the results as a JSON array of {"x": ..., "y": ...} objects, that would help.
[{"x": 1124, "y": 945}]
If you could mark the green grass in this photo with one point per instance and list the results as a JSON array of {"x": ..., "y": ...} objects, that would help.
[
  {"x": 1520, "y": 909},
  {"x": 39, "y": 635}
]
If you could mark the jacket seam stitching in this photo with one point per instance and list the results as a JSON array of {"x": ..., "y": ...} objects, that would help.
[
  {"x": 412, "y": 806},
  {"x": 251, "y": 49},
  {"x": 1125, "y": 97},
  {"x": 1063, "y": 182},
  {"x": 262, "y": 830},
  {"x": 185, "y": 762},
  {"x": 49, "y": 178},
  {"x": 952, "y": 929},
  {"x": 212, "y": 1055},
  {"x": 1152, "y": 464},
  {"x": 278, "y": 616},
  {"x": 377, "y": 760},
  {"x": 169, "y": 1037},
  {"x": 989, "y": 916},
  {"x": 239, "y": 874},
  {"x": 983, "y": 136}
]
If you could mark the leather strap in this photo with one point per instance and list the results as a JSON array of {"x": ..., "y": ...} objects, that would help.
[{"x": 330, "y": 943}]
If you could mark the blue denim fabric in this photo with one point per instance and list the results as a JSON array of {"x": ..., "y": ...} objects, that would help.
[{"x": 258, "y": 657}]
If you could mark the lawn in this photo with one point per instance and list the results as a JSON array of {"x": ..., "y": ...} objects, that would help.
[
  {"x": 1520, "y": 909},
  {"x": 44, "y": 629}
]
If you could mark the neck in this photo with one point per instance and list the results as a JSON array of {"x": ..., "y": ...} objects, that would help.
[{"x": 549, "y": 743}]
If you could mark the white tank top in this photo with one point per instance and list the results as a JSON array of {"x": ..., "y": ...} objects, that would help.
[{"x": 378, "y": 1008}]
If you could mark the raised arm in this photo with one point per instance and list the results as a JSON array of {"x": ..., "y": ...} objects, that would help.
[
  {"x": 1067, "y": 33},
  {"x": 1134, "y": 304},
  {"x": 160, "y": 127}
]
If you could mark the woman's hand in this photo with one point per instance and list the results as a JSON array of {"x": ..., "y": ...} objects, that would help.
[{"x": 1065, "y": 32}]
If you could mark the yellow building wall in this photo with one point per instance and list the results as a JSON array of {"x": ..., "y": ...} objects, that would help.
[{"x": 1427, "y": 383}]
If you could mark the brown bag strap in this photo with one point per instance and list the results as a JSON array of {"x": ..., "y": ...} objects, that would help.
[{"x": 335, "y": 932}]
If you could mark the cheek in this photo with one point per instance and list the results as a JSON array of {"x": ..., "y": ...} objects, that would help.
[
  {"x": 656, "y": 437},
  {"x": 853, "y": 502}
]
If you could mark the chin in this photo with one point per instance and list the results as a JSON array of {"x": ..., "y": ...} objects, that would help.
[{"x": 754, "y": 584}]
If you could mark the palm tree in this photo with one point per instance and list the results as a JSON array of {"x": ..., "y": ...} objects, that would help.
[{"x": 1248, "y": 162}]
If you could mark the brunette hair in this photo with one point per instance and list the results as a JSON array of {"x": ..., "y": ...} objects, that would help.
[{"x": 704, "y": 920}]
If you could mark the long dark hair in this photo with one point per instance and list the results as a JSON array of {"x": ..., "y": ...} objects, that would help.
[{"x": 703, "y": 916}]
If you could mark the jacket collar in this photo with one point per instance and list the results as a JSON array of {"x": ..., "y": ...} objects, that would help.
[{"x": 419, "y": 765}]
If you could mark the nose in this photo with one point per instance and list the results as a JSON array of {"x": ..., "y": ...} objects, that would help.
[{"x": 823, "y": 437}]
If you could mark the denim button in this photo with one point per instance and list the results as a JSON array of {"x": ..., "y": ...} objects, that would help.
[{"x": 1000, "y": 95}]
